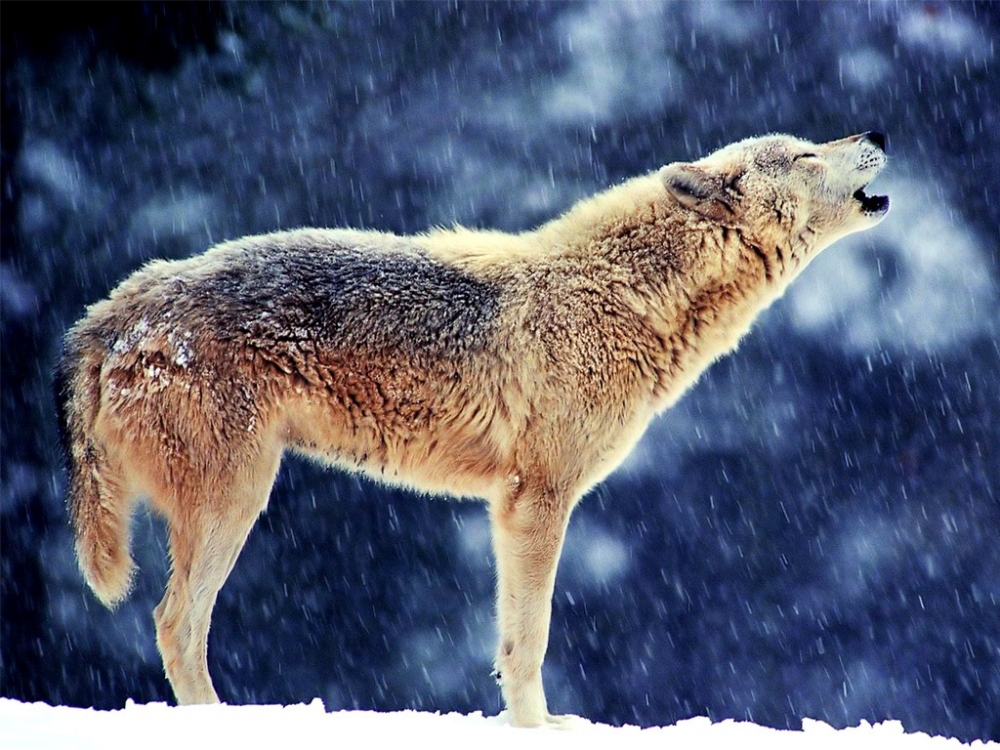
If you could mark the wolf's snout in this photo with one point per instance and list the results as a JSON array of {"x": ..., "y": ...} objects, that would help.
[{"x": 877, "y": 138}]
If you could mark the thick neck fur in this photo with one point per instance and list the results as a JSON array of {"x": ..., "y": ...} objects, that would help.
[
  {"x": 683, "y": 289},
  {"x": 689, "y": 302}
]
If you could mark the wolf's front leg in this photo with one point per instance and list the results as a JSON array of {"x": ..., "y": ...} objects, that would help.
[{"x": 528, "y": 531}]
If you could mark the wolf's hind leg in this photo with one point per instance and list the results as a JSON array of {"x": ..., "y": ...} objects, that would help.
[
  {"x": 528, "y": 533},
  {"x": 204, "y": 546}
]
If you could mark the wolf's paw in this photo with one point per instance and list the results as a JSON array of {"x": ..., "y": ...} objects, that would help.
[{"x": 566, "y": 722}]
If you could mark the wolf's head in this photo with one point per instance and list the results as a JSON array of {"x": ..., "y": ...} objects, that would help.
[{"x": 789, "y": 198}]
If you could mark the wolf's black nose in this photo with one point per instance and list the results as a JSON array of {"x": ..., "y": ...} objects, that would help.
[{"x": 877, "y": 138}]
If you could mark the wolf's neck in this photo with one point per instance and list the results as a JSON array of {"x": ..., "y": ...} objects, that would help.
[{"x": 689, "y": 288}]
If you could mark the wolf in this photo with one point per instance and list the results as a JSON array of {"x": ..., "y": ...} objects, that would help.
[{"x": 516, "y": 368}]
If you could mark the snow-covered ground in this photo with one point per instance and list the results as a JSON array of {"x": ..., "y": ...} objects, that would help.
[{"x": 156, "y": 725}]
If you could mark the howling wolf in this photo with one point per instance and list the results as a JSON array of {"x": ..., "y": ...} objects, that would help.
[{"x": 518, "y": 368}]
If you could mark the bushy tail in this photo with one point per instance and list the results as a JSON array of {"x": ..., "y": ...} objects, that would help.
[{"x": 99, "y": 506}]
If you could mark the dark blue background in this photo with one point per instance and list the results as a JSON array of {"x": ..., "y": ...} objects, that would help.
[{"x": 812, "y": 532}]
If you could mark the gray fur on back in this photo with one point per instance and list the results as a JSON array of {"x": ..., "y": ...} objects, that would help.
[{"x": 340, "y": 296}]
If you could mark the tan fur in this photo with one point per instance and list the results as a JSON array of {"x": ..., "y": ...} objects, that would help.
[{"x": 520, "y": 369}]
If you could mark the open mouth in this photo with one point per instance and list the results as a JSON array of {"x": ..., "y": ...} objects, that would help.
[{"x": 871, "y": 204}]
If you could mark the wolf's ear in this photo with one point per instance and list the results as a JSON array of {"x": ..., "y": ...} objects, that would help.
[{"x": 700, "y": 190}]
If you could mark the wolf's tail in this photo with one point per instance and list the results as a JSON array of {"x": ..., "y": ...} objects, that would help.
[{"x": 99, "y": 505}]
